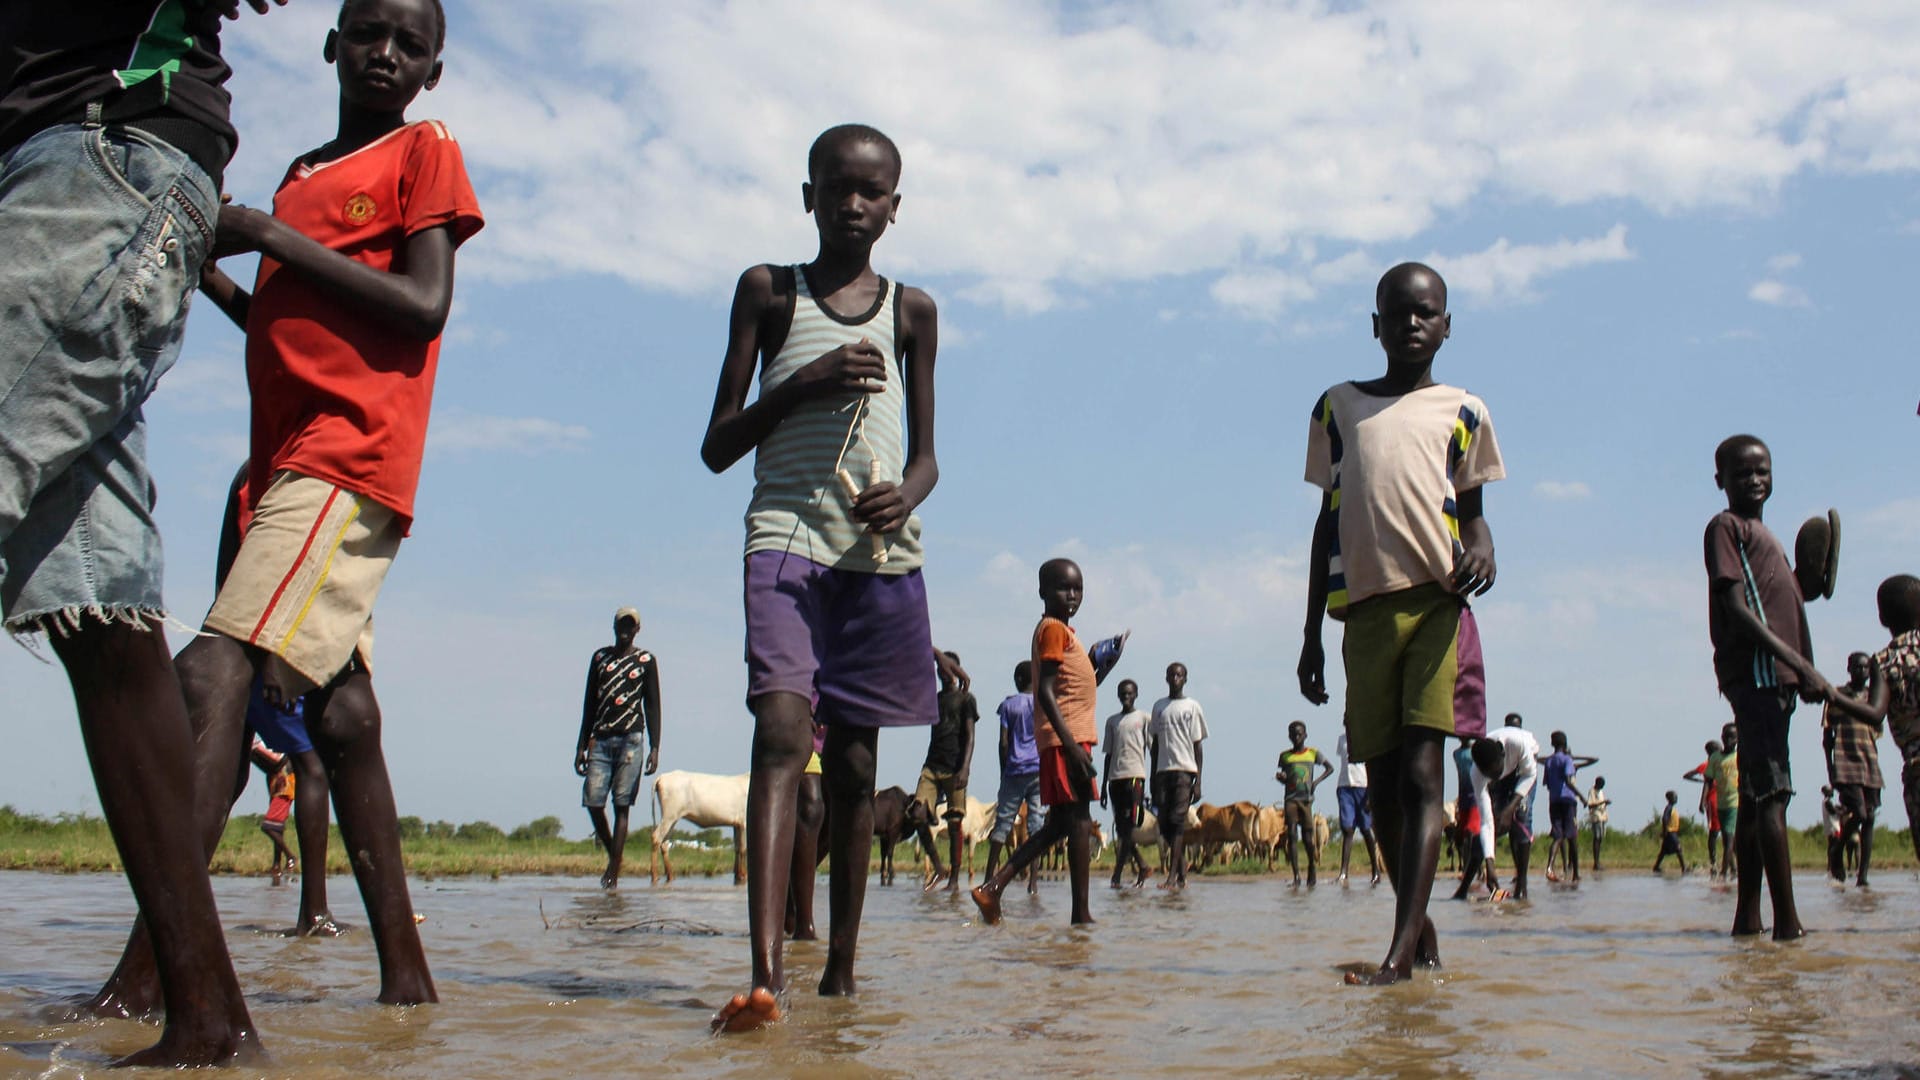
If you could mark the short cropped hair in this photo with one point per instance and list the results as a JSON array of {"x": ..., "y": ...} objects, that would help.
[
  {"x": 1899, "y": 595},
  {"x": 439, "y": 15},
  {"x": 1023, "y": 675},
  {"x": 1731, "y": 445},
  {"x": 1404, "y": 269},
  {"x": 834, "y": 138},
  {"x": 1490, "y": 757}
]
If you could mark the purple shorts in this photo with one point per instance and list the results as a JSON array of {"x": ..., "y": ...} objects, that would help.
[{"x": 858, "y": 645}]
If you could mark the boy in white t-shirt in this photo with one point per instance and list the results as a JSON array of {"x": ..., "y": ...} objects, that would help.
[
  {"x": 1126, "y": 787},
  {"x": 1176, "y": 731},
  {"x": 1355, "y": 813}
]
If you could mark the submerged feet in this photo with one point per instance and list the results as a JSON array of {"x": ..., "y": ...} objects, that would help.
[
  {"x": 988, "y": 902},
  {"x": 750, "y": 1011}
]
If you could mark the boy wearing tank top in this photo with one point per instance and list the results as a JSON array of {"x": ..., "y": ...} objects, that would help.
[{"x": 836, "y": 612}]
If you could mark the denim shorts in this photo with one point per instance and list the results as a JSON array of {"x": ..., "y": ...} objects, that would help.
[
  {"x": 613, "y": 762},
  {"x": 1016, "y": 789},
  {"x": 104, "y": 230},
  {"x": 1354, "y": 811}
]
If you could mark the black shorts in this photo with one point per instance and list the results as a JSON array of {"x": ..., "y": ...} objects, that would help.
[
  {"x": 1129, "y": 800},
  {"x": 1858, "y": 800},
  {"x": 1760, "y": 718},
  {"x": 1172, "y": 797},
  {"x": 1669, "y": 843},
  {"x": 1563, "y": 816}
]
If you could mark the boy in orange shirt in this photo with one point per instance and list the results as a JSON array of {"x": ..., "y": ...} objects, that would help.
[
  {"x": 343, "y": 338},
  {"x": 1064, "y": 694}
]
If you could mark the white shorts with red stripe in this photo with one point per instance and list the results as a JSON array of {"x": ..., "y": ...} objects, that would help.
[{"x": 309, "y": 569}]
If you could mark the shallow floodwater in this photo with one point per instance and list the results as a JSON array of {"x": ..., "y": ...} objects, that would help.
[{"x": 538, "y": 977}]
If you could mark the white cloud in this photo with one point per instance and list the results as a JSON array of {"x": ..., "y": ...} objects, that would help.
[
  {"x": 456, "y": 431},
  {"x": 1562, "y": 490},
  {"x": 1783, "y": 262},
  {"x": 1049, "y": 150},
  {"x": 1778, "y": 294},
  {"x": 1507, "y": 271}
]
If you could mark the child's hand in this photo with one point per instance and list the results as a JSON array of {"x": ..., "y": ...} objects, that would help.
[
  {"x": 859, "y": 369},
  {"x": 240, "y": 231},
  {"x": 1815, "y": 689},
  {"x": 882, "y": 508},
  {"x": 1473, "y": 570},
  {"x": 1313, "y": 672},
  {"x": 580, "y": 759}
]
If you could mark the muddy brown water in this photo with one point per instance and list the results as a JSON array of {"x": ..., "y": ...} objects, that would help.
[{"x": 1628, "y": 975}]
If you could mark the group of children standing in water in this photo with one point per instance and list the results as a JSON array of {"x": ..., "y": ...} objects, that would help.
[{"x": 343, "y": 325}]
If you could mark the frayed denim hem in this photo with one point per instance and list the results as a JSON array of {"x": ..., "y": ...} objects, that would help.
[{"x": 67, "y": 621}]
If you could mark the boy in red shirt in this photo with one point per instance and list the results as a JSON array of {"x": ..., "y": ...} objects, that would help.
[
  {"x": 1064, "y": 696},
  {"x": 343, "y": 335}
]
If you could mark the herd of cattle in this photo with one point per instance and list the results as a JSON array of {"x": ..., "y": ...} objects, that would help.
[{"x": 1241, "y": 830}]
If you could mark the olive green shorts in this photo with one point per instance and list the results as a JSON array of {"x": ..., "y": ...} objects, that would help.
[{"x": 1413, "y": 660}]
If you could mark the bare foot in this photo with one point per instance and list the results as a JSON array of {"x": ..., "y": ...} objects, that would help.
[
  {"x": 609, "y": 880},
  {"x": 319, "y": 926},
  {"x": 177, "y": 1049},
  {"x": 1141, "y": 881},
  {"x": 934, "y": 881},
  {"x": 805, "y": 933},
  {"x": 1386, "y": 976},
  {"x": 1789, "y": 933},
  {"x": 746, "y": 1012},
  {"x": 988, "y": 902}
]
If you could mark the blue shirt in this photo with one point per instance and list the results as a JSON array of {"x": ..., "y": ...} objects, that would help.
[
  {"x": 1560, "y": 777},
  {"x": 1016, "y": 719},
  {"x": 1463, "y": 765}
]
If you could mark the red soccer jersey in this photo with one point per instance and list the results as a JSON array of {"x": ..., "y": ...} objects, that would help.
[{"x": 338, "y": 395}]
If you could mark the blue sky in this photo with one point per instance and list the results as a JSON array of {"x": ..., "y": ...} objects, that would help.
[{"x": 1152, "y": 229}]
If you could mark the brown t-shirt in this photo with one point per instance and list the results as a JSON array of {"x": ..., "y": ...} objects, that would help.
[
  {"x": 1074, "y": 690},
  {"x": 1742, "y": 551}
]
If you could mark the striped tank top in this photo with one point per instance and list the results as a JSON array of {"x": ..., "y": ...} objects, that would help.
[{"x": 797, "y": 505}]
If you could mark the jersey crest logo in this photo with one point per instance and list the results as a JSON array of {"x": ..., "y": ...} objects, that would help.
[{"x": 360, "y": 209}]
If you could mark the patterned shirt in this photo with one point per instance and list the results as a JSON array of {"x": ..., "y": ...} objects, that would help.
[
  {"x": 617, "y": 685},
  {"x": 1852, "y": 758},
  {"x": 1392, "y": 467},
  {"x": 1297, "y": 768},
  {"x": 1899, "y": 665}
]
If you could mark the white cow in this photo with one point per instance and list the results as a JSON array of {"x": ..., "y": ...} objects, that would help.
[
  {"x": 705, "y": 801},
  {"x": 975, "y": 824}
]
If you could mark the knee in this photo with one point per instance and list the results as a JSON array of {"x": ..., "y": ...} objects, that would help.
[
  {"x": 347, "y": 718},
  {"x": 850, "y": 778}
]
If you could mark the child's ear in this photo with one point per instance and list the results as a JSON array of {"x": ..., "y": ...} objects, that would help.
[
  {"x": 433, "y": 78},
  {"x": 806, "y": 195},
  {"x": 1446, "y": 326},
  {"x": 331, "y": 50},
  {"x": 1376, "y": 326},
  {"x": 893, "y": 212}
]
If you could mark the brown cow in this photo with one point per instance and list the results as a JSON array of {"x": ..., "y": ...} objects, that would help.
[{"x": 1218, "y": 826}]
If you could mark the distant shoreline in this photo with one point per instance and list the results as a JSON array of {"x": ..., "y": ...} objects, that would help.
[{"x": 81, "y": 844}]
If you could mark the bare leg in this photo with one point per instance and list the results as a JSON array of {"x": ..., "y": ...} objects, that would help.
[
  {"x": 617, "y": 850},
  {"x": 310, "y": 798},
  {"x": 1407, "y": 787},
  {"x": 1346, "y": 851},
  {"x": 215, "y": 676},
  {"x": 344, "y": 720},
  {"x": 133, "y": 720},
  {"x": 1373, "y": 855},
  {"x": 1778, "y": 866},
  {"x": 1080, "y": 860},
  {"x": 1750, "y": 875},
  {"x": 810, "y": 813},
  {"x": 782, "y": 742},
  {"x": 1864, "y": 827},
  {"x": 987, "y": 894},
  {"x": 994, "y": 848},
  {"x": 849, "y": 760},
  {"x": 953, "y": 851}
]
